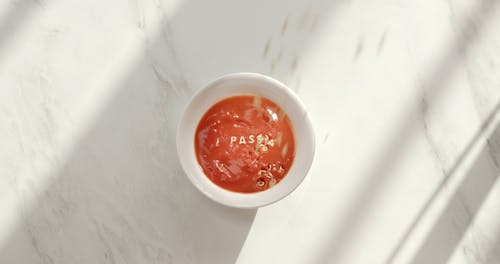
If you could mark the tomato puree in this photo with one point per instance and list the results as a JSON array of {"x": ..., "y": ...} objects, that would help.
[{"x": 245, "y": 144}]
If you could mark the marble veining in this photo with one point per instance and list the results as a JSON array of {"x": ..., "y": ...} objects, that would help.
[{"x": 403, "y": 96}]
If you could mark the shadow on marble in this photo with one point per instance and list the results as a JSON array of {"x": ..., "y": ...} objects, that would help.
[
  {"x": 464, "y": 205},
  {"x": 269, "y": 37},
  {"x": 432, "y": 89},
  {"x": 122, "y": 196},
  {"x": 493, "y": 254},
  {"x": 15, "y": 19}
]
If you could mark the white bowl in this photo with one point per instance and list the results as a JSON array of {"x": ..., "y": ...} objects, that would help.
[{"x": 240, "y": 84}]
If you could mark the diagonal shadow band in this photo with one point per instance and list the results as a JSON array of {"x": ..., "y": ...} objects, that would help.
[
  {"x": 476, "y": 178},
  {"x": 121, "y": 195},
  {"x": 493, "y": 254},
  {"x": 464, "y": 205},
  {"x": 15, "y": 19},
  {"x": 333, "y": 251}
]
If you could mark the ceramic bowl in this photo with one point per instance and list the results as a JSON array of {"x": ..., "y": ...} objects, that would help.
[{"x": 246, "y": 84}]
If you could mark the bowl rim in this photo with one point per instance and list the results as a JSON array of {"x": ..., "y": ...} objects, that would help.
[{"x": 257, "y": 199}]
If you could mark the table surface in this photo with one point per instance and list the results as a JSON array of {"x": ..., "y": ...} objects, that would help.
[{"x": 403, "y": 96}]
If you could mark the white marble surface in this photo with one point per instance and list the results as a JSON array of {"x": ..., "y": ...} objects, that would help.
[{"x": 402, "y": 94}]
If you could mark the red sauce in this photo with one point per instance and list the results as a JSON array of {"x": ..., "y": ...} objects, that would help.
[{"x": 245, "y": 144}]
